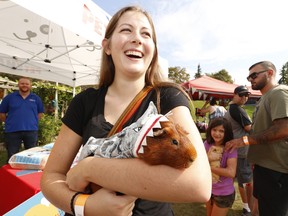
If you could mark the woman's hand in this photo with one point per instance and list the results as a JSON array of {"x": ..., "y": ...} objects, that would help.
[
  {"x": 106, "y": 203},
  {"x": 102, "y": 202},
  {"x": 75, "y": 177}
]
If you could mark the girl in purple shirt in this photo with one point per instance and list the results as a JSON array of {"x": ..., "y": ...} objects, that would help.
[{"x": 223, "y": 167}]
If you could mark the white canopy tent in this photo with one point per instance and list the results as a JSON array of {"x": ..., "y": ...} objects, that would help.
[{"x": 58, "y": 41}]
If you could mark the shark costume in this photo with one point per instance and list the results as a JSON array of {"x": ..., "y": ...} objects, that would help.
[
  {"x": 128, "y": 142},
  {"x": 137, "y": 140}
]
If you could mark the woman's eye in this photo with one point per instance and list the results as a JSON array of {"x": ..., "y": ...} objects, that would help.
[
  {"x": 125, "y": 30},
  {"x": 147, "y": 34}
]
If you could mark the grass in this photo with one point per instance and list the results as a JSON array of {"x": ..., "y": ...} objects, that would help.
[
  {"x": 199, "y": 209},
  {"x": 3, "y": 155},
  {"x": 249, "y": 108},
  {"x": 182, "y": 209}
]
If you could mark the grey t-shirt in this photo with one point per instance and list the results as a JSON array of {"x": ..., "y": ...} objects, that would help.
[
  {"x": 272, "y": 105},
  {"x": 238, "y": 119}
]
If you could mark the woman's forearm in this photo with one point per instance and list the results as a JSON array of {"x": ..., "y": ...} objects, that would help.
[
  {"x": 53, "y": 181},
  {"x": 55, "y": 189},
  {"x": 159, "y": 183}
]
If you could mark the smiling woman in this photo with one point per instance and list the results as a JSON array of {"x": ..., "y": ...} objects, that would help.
[{"x": 129, "y": 66}]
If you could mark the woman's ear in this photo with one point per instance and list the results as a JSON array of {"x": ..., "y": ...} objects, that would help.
[{"x": 105, "y": 45}]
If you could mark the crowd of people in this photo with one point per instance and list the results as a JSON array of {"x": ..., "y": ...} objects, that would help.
[
  {"x": 252, "y": 150},
  {"x": 261, "y": 144}
]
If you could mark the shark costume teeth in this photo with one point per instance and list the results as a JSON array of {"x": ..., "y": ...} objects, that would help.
[
  {"x": 147, "y": 130},
  {"x": 127, "y": 143}
]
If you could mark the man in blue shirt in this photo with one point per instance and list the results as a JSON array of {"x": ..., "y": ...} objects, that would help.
[{"x": 21, "y": 111}]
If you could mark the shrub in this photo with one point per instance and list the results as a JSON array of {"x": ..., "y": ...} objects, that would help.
[
  {"x": 1, "y": 132},
  {"x": 49, "y": 127}
]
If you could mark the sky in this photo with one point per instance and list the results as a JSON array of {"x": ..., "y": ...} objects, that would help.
[{"x": 216, "y": 34}]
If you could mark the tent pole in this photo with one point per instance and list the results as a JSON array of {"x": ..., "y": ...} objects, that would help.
[
  {"x": 56, "y": 101},
  {"x": 74, "y": 91}
]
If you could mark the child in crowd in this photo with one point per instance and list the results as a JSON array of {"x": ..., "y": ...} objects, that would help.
[{"x": 223, "y": 167}]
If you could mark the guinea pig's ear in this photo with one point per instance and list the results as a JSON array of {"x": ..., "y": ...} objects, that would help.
[
  {"x": 159, "y": 132},
  {"x": 164, "y": 131}
]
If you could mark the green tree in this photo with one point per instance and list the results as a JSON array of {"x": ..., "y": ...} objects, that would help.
[
  {"x": 46, "y": 91},
  {"x": 198, "y": 74},
  {"x": 221, "y": 75},
  {"x": 178, "y": 75},
  {"x": 48, "y": 129},
  {"x": 284, "y": 74}
]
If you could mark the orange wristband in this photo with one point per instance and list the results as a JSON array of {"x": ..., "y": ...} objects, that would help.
[
  {"x": 80, "y": 203},
  {"x": 245, "y": 140}
]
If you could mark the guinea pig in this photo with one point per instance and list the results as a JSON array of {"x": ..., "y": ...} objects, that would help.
[
  {"x": 215, "y": 155},
  {"x": 169, "y": 146}
]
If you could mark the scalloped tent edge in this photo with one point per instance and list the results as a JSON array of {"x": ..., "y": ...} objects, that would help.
[{"x": 206, "y": 87}]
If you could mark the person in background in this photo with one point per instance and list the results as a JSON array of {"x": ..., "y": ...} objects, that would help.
[
  {"x": 268, "y": 146},
  {"x": 241, "y": 125},
  {"x": 21, "y": 111},
  {"x": 1, "y": 95},
  {"x": 213, "y": 109},
  {"x": 50, "y": 109},
  {"x": 129, "y": 63},
  {"x": 223, "y": 192}
]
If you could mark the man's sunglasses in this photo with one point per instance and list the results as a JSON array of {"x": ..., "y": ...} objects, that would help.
[
  {"x": 243, "y": 94},
  {"x": 254, "y": 75}
]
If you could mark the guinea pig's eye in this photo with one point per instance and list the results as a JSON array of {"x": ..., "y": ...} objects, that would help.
[{"x": 175, "y": 142}]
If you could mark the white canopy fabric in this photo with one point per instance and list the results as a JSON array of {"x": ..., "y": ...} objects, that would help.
[{"x": 52, "y": 40}]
